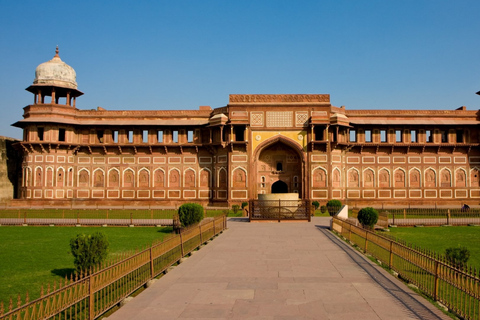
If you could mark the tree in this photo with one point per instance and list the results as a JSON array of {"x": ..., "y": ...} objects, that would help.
[
  {"x": 368, "y": 217},
  {"x": 190, "y": 213},
  {"x": 457, "y": 256},
  {"x": 333, "y": 206},
  {"x": 88, "y": 251}
]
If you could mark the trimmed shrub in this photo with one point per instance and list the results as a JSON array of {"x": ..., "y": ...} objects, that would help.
[
  {"x": 190, "y": 213},
  {"x": 244, "y": 204},
  {"x": 235, "y": 208},
  {"x": 88, "y": 251},
  {"x": 323, "y": 209},
  {"x": 333, "y": 206},
  {"x": 368, "y": 217},
  {"x": 316, "y": 204},
  {"x": 457, "y": 256}
]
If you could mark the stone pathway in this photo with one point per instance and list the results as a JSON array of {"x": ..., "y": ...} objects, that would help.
[{"x": 277, "y": 271}]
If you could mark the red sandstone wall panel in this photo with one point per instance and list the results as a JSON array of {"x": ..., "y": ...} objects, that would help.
[
  {"x": 475, "y": 193},
  {"x": 444, "y": 160},
  {"x": 414, "y": 160},
  {"x": 239, "y": 158},
  {"x": 461, "y": 193},
  {"x": 98, "y": 194},
  {"x": 319, "y": 158},
  {"x": 239, "y": 194},
  {"x": 319, "y": 194},
  {"x": 98, "y": 160},
  {"x": 205, "y": 160},
  {"x": 399, "y": 160},
  {"x": 204, "y": 194},
  {"x": 175, "y": 194},
  {"x": 399, "y": 193},
  {"x": 474, "y": 160},
  {"x": 222, "y": 159},
  {"x": 337, "y": 194},
  {"x": 368, "y": 160},
  {"x": 174, "y": 160},
  {"x": 114, "y": 160},
  {"x": 158, "y": 194},
  {"x": 144, "y": 160},
  {"x": 83, "y": 193},
  {"x": 222, "y": 194},
  {"x": 128, "y": 194},
  {"x": 446, "y": 194},
  {"x": 159, "y": 160},
  {"x": 128, "y": 160},
  {"x": 368, "y": 194},
  {"x": 460, "y": 160},
  {"x": 59, "y": 194},
  {"x": 386, "y": 194},
  {"x": 430, "y": 193},
  {"x": 143, "y": 194},
  {"x": 189, "y": 194},
  {"x": 113, "y": 194},
  {"x": 354, "y": 194}
]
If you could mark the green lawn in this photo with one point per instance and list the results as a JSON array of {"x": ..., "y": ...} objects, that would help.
[
  {"x": 439, "y": 238},
  {"x": 32, "y": 256}
]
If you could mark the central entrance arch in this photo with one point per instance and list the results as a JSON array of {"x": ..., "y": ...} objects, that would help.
[
  {"x": 279, "y": 187},
  {"x": 279, "y": 167}
]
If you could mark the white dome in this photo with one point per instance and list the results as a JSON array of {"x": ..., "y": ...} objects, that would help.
[{"x": 55, "y": 73}]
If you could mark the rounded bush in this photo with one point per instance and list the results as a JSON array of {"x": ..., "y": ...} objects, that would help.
[
  {"x": 244, "y": 204},
  {"x": 368, "y": 217},
  {"x": 333, "y": 206},
  {"x": 190, "y": 213},
  {"x": 316, "y": 204},
  {"x": 323, "y": 209},
  {"x": 457, "y": 256},
  {"x": 88, "y": 251}
]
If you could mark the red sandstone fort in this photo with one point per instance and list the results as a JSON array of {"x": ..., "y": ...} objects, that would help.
[{"x": 256, "y": 144}]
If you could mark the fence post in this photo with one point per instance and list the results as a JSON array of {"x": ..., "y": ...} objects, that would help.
[
  {"x": 404, "y": 214},
  {"x": 390, "y": 261},
  {"x": 131, "y": 218},
  {"x": 214, "y": 233},
  {"x": 279, "y": 210},
  {"x": 24, "y": 217},
  {"x": 366, "y": 240},
  {"x": 181, "y": 243},
  {"x": 224, "y": 222},
  {"x": 448, "y": 216},
  {"x": 201, "y": 235},
  {"x": 78, "y": 219},
  {"x": 152, "y": 271},
  {"x": 435, "y": 291},
  {"x": 151, "y": 214},
  {"x": 108, "y": 211},
  {"x": 91, "y": 298},
  {"x": 394, "y": 218}
]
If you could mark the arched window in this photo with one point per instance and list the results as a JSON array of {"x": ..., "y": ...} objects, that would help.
[{"x": 279, "y": 166}]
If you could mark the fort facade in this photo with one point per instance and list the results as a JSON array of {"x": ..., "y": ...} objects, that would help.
[{"x": 257, "y": 143}]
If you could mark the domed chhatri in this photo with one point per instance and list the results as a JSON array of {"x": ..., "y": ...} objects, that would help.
[
  {"x": 57, "y": 80},
  {"x": 55, "y": 73}
]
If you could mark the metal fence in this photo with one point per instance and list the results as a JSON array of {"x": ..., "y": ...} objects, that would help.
[
  {"x": 432, "y": 217},
  {"x": 90, "y": 296},
  {"x": 94, "y": 217},
  {"x": 278, "y": 210},
  {"x": 456, "y": 287}
]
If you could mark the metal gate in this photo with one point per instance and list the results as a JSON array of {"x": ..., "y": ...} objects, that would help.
[{"x": 280, "y": 210}]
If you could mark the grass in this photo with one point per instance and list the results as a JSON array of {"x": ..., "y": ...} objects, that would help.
[
  {"x": 319, "y": 213},
  {"x": 440, "y": 238},
  {"x": 35, "y": 256}
]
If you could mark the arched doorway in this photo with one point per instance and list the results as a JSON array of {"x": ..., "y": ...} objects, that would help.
[
  {"x": 279, "y": 167},
  {"x": 279, "y": 187}
]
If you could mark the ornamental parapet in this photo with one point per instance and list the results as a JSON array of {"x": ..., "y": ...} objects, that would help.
[{"x": 278, "y": 98}]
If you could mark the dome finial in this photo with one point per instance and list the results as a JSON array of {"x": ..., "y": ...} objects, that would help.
[{"x": 56, "y": 52}]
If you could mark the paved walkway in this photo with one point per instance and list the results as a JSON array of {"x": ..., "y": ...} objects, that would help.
[{"x": 277, "y": 271}]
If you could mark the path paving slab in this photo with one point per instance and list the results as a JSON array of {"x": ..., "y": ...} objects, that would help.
[{"x": 278, "y": 271}]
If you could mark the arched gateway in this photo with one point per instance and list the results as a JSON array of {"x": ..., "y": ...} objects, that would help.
[{"x": 279, "y": 167}]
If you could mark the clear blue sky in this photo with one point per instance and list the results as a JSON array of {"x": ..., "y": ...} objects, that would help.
[{"x": 141, "y": 55}]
